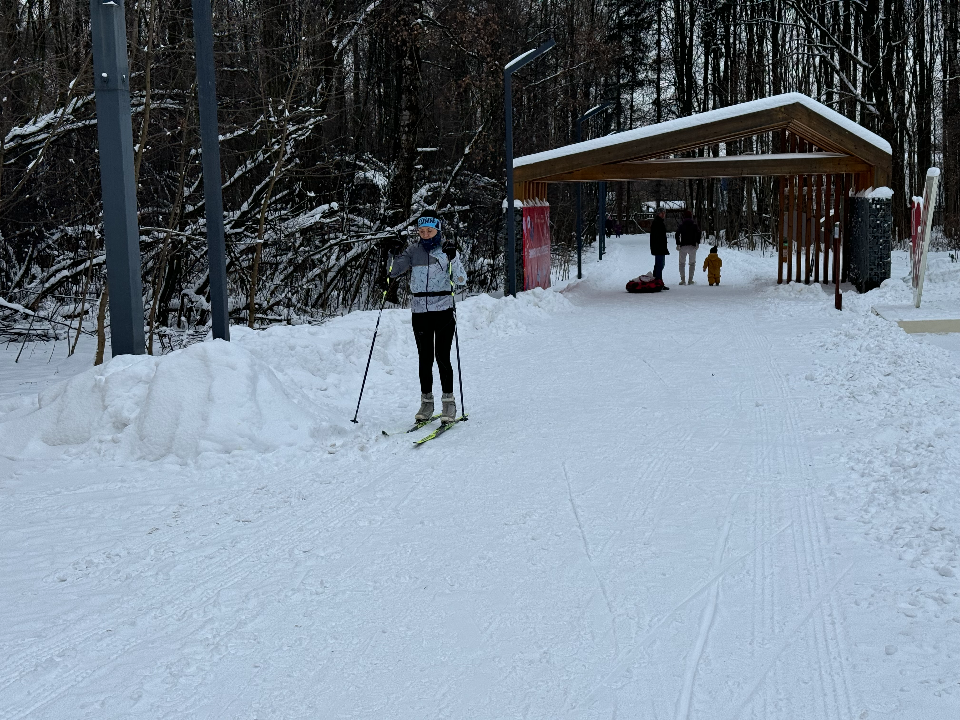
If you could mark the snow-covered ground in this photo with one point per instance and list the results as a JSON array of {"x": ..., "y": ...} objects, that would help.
[{"x": 715, "y": 502}]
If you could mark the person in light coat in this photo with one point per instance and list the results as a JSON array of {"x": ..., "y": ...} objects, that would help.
[{"x": 435, "y": 272}]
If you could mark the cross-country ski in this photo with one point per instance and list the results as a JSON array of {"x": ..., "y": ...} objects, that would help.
[
  {"x": 416, "y": 426},
  {"x": 444, "y": 427}
]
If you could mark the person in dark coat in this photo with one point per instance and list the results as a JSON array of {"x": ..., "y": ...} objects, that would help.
[
  {"x": 688, "y": 240},
  {"x": 658, "y": 243}
]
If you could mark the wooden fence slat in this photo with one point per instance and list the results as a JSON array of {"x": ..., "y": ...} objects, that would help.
[
  {"x": 803, "y": 219},
  {"x": 846, "y": 184},
  {"x": 827, "y": 226},
  {"x": 781, "y": 216},
  {"x": 817, "y": 226},
  {"x": 791, "y": 225},
  {"x": 807, "y": 226}
]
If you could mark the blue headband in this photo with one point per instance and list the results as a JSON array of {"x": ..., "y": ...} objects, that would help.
[{"x": 428, "y": 222}]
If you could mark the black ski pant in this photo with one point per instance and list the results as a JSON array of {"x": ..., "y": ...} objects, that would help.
[{"x": 433, "y": 332}]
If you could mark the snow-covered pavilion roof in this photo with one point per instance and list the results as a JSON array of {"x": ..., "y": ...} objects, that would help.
[{"x": 844, "y": 146}]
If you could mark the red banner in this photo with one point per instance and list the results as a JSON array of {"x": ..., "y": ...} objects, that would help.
[{"x": 536, "y": 246}]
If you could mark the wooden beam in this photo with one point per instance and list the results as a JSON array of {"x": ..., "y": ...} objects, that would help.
[
  {"x": 713, "y": 167},
  {"x": 693, "y": 136},
  {"x": 826, "y": 134}
]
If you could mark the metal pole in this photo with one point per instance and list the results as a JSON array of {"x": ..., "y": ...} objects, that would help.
[
  {"x": 588, "y": 114},
  {"x": 508, "y": 70},
  {"x": 511, "y": 230},
  {"x": 602, "y": 216},
  {"x": 121, "y": 232},
  {"x": 212, "y": 180},
  {"x": 373, "y": 342}
]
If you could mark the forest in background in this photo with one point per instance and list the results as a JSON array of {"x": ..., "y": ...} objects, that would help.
[{"x": 341, "y": 120}]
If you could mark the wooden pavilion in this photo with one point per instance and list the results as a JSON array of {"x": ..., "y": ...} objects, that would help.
[{"x": 823, "y": 158}]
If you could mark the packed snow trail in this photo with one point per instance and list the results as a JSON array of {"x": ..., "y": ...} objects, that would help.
[{"x": 633, "y": 523}]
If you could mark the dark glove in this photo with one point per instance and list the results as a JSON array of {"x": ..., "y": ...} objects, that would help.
[
  {"x": 394, "y": 245},
  {"x": 393, "y": 290},
  {"x": 450, "y": 248}
]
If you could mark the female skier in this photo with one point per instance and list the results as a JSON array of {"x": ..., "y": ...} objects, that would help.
[{"x": 434, "y": 271}]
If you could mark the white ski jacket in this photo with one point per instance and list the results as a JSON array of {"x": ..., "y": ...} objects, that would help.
[{"x": 429, "y": 277}]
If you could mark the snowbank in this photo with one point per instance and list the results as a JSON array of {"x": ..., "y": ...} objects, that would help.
[
  {"x": 210, "y": 397},
  {"x": 903, "y": 395},
  {"x": 507, "y": 316},
  {"x": 896, "y": 399},
  {"x": 288, "y": 386}
]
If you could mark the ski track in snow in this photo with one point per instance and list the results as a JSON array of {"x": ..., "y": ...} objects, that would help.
[
  {"x": 634, "y": 523},
  {"x": 586, "y": 550},
  {"x": 706, "y": 622}
]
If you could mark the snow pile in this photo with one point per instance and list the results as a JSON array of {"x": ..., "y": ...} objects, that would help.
[
  {"x": 508, "y": 316},
  {"x": 941, "y": 285},
  {"x": 288, "y": 386},
  {"x": 210, "y": 397},
  {"x": 880, "y": 193},
  {"x": 904, "y": 395},
  {"x": 794, "y": 291},
  {"x": 897, "y": 399},
  {"x": 325, "y": 363},
  {"x": 942, "y": 275}
]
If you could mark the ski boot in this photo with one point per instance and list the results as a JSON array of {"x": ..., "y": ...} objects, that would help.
[
  {"x": 426, "y": 407},
  {"x": 449, "y": 412}
]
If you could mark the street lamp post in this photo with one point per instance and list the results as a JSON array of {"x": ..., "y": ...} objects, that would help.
[
  {"x": 212, "y": 180},
  {"x": 587, "y": 115},
  {"x": 121, "y": 231},
  {"x": 508, "y": 70}
]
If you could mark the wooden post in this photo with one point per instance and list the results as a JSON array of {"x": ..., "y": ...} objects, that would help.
[
  {"x": 847, "y": 184},
  {"x": 804, "y": 245},
  {"x": 837, "y": 218},
  {"x": 781, "y": 217},
  {"x": 817, "y": 226},
  {"x": 837, "y": 210},
  {"x": 789, "y": 227},
  {"x": 792, "y": 227},
  {"x": 827, "y": 226},
  {"x": 797, "y": 229},
  {"x": 802, "y": 217},
  {"x": 803, "y": 252}
]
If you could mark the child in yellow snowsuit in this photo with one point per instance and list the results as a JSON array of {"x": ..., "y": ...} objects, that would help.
[{"x": 711, "y": 266}]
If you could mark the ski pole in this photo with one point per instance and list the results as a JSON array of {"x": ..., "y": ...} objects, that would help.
[
  {"x": 456, "y": 337},
  {"x": 373, "y": 342}
]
